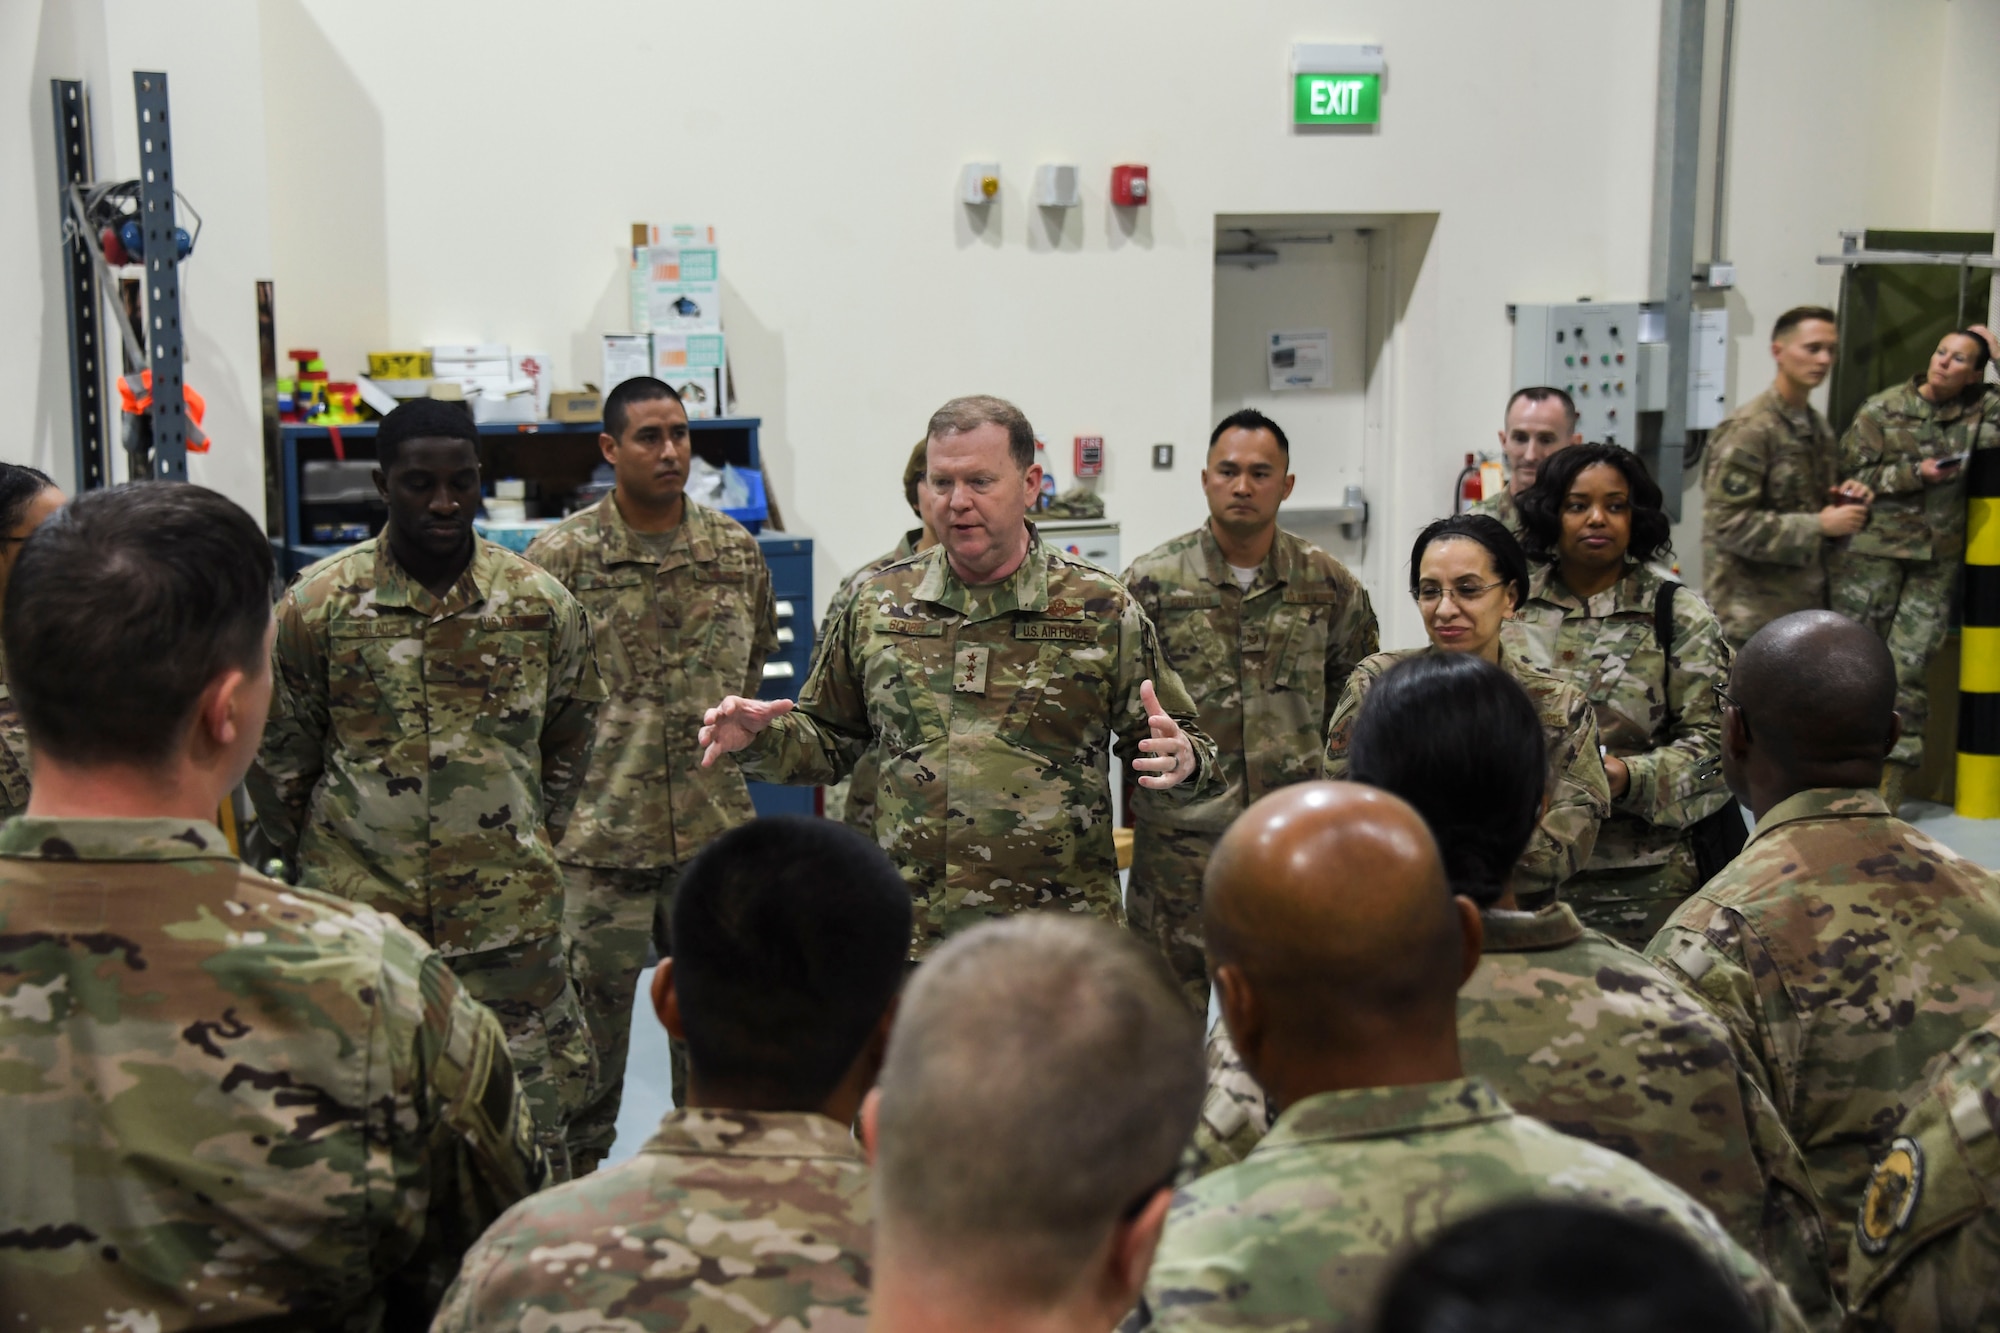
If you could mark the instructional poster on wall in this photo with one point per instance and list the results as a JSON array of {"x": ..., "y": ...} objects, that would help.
[{"x": 1301, "y": 359}]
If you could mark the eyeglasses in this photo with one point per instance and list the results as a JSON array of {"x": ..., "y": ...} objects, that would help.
[
  {"x": 1724, "y": 698},
  {"x": 1465, "y": 592}
]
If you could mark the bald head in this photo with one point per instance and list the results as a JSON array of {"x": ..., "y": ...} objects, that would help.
[
  {"x": 1817, "y": 693},
  {"x": 1331, "y": 899}
]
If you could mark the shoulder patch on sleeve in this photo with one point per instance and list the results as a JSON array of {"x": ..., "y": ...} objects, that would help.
[
  {"x": 1739, "y": 483},
  {"x": 1894, "y": 1187}
]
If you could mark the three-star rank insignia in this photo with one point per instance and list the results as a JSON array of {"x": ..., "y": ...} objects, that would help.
[
  {"x": 1894, "y": 1187},
  {"x": 968, "y": 669}
]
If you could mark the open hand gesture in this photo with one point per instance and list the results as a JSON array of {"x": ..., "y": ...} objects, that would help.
[
  {"x": 730, "y": 724},
  {"x": 1169, "y": 753}
]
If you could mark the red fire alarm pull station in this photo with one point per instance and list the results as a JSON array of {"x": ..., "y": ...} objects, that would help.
[
  {"x": 1090, "y": 455},
  {"x": 1128, "y": 186}
]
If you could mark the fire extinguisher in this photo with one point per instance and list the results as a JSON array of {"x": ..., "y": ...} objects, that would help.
[{"x": 1470, "y": 491}]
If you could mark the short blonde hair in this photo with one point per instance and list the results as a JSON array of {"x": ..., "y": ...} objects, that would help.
[{"x": 1044, "y": 1074}]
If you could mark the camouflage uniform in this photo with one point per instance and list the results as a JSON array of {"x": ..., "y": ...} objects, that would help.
[
  {"x": 1770, "y": 468},
  {"x": 726, "y": 1221},
  {"x": 994, "y": 707},
  {"x": 1895, "y": 575},
  {"x": 14, "y": 786},
  {"x": 422, "y": 757},
  {"x": 1591, "y": 1039},
  {"x": 1502, "y": 507},
  {"x": 1926, "y": 1256},
  {"x": 679, "y": 621},
  {"x": 230, "y": 1102},
  {"x": 1844, "y": 950},
  {"x": 1578, "y": 795},
  {"x": 1263, "y": 666},
  {"x": 852, "y": 799},
  {"x": 1667, "y": 727},
  {"x": 1303, "y": 1232}
]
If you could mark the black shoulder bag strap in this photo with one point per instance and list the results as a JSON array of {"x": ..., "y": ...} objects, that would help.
[{"x": 1718, "y": 837}]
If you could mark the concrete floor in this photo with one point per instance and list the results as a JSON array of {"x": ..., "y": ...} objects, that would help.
[{"x": 648, "y": 1085}]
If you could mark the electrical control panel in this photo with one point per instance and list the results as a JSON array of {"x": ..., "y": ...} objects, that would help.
[
  {"x": 1708, "y": 367},
  {"x": 1589, "y": 349}
]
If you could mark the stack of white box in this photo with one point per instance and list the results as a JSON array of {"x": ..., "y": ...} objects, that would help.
[
  {"x": 500, "y": 386},
  {"x": 676, "y": 301}
]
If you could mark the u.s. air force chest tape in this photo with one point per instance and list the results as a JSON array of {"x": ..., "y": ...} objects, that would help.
[
  {"x": 1894, "y": 1187},
  {"x": 1074, "y": 631},
  {"x": 1062, "y": 620}
]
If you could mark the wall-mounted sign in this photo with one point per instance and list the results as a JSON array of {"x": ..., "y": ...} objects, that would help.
[
  {"x": 1337, "y": 85},
  {"x": 1336, "y": 99},
  {"x": 1301, "y": 359}
]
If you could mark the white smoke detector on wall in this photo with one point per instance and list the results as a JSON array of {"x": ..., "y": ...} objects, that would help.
[{"x": 1056, "y": 185}]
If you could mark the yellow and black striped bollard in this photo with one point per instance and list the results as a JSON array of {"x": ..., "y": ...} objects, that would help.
[{"x": 1979, "y": 643}]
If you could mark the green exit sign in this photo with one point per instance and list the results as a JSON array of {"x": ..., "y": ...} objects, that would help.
[{"x": 1336, "y": 99}]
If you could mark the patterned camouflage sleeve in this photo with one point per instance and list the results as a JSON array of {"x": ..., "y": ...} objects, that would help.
[
  {"x": 1340, "y": 725},
  {"x": 1579, "y": 801},
  {"x": 819, "y": 741},
  {"x": 1350, "y": 640},
  {"x": 1705, "y": 948},
  {"x": 466, "y": 1150},
  {"x": 836, "y": 611},
  {"x": 292, "y": 754},
  {"x": 1235, "y": 1113},
  {"x": 1867, "y": 457},
  {"x": 1145, "y": 591},
  {"x": 1733, "y": 506},
  {"x": 1792, "y": 1239},
  {"x": 1680, "y": 782},
  {"x": 1139, "y": 660},
  {"x": 569, "y": 727}
]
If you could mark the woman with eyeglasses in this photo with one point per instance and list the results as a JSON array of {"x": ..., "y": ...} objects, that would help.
[
  {"x": 1647, "y": 652},
  {"x": 1468, "y": 576},
  {"x": 27, "y": 498},
  {"x": 1909, "y": 444}
]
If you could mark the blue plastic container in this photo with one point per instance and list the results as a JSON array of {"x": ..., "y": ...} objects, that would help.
[{"x": 752, "y": 514}]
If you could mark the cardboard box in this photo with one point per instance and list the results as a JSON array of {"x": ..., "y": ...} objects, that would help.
[
  {"x": 700, "y": 391},
  {"x": 503, "y": 408},
  {"x": 399, "y": 365},
  {"x": 626, "y": 356},
  {"x": 649, "y": 269},
  {"x": 468, "y": 351},
  {"x": 576, "y": 405},
  {"x": 677, "y": 288},
  {"x": 470, "y": 368},
  {"x": 692, "y": 363},
  {"x": 538, "y": 369}
]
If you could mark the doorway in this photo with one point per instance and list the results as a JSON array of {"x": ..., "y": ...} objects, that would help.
[{"x": 1318, "y": 286}]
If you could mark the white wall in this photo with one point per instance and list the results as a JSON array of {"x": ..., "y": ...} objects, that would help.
[
  {"x": 209, "y": 50},
  {"x": 469, "y": 170}
]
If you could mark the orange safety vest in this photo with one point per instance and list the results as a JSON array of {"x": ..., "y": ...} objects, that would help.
[{"x": 197, "y": 408}]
